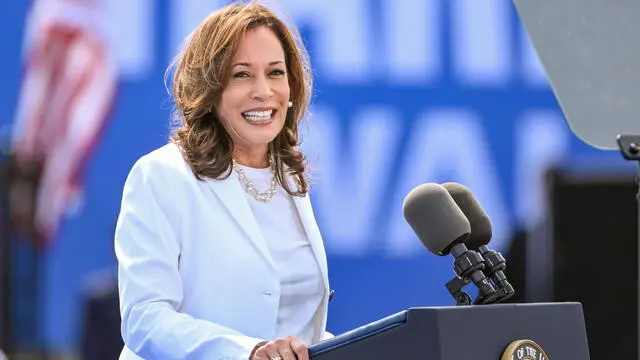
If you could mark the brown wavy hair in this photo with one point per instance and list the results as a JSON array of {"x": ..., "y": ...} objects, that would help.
[{"x": 201, "y": 72}]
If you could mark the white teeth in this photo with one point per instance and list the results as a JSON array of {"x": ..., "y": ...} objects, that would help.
[
  {"x": 259, "y": 113},
  {"x": 258, "y": 116}
]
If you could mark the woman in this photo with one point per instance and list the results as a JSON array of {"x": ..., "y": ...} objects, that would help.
[{"x": 218, "y": 250}]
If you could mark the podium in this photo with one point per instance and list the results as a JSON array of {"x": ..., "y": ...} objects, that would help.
[{"x": 540, "y": 331}]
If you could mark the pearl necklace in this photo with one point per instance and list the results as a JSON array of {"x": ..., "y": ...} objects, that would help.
[{"x": 263, "y": 196}]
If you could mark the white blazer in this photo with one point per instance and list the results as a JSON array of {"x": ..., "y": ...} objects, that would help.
[{"x": 195, "y": 277}]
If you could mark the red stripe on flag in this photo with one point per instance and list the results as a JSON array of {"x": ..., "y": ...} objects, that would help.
[{"x": 68, "y": 91}]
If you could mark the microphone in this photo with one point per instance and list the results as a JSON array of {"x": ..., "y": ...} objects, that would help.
[
  {"x": 443, "y": 229},
  {"x": 480, "y": 236}
]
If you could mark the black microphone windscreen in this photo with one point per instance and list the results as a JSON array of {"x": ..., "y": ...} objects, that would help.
[
  {"x": 480, "y": 223},
  {"x": 435, "y": 218}
]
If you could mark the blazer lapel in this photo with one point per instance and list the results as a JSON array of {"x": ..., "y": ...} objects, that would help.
[
  {"x": 232, "y": 195},
  {"x": 305, "y": 210}
]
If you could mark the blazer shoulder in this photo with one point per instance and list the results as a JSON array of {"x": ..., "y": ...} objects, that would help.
[
  {"x": 162, "y": 162},
  {"x": 162, "y": 174}
]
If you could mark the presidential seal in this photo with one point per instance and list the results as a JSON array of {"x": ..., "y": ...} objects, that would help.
[{"x": 524, "y": 350}]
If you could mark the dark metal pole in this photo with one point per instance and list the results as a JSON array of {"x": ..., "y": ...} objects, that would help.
[
  {"x": 6, "y": 261},
  {"x": 629, "y": 146}
]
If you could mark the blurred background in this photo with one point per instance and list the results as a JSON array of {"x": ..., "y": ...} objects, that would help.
[{"x": 406, "y": 92}]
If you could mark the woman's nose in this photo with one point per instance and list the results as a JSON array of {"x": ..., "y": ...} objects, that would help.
[{"x": 262, "y": 88}]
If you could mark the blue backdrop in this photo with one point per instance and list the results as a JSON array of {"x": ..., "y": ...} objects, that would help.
[{"x": 407, "y": 92}]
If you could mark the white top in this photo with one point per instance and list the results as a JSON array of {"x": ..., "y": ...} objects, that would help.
[{"x": 299, "y": 310}]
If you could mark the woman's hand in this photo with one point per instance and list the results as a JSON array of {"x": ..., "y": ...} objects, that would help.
[{"x": 289, "y": 348}]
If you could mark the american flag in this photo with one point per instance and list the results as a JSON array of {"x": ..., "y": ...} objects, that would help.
[{"x": 67, "y": 93}]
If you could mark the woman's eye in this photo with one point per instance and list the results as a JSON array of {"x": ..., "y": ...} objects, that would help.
[
  {"x": 241, "y": 74},
  {"x": 277, "y": 72}
]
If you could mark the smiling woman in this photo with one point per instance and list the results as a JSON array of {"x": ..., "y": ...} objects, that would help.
[
  {"x": 241, "y": 87},
  {"x": 219, "y": 254},
  {"x": 253, "y": 104}
]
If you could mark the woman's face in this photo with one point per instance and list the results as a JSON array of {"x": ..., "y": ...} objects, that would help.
[{"x": 253, "y": 105}]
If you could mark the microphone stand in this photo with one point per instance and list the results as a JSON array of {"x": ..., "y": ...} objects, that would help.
[
  {"x": 490, "y": 262},
  {"x": 455, "y": 287},
  {"x": 495, "y": 264},
  {"x": 469, "y": 267},
  {"x": 629, "y": 146}
]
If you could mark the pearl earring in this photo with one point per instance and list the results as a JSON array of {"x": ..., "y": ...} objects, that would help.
[{"x": 290, "y": 103}]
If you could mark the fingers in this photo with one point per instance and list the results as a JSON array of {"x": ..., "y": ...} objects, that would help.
[
  {"x": 267, "y": 352},
  {"x": 299, "y": 348},
  {"x": 290, "y": 348},
  {"x": 286, "y": 352},
  {"x": 274, "y": 350}
]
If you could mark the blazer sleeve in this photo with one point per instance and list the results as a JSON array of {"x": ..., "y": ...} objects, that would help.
[{"x": 149, "y": 284}]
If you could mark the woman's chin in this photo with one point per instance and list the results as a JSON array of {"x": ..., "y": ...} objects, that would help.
[
  {"x": 263, "y": 133},
  {"x": 260, "y": 138}
]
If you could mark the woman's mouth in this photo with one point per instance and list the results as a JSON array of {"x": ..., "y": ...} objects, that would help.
[{"x": 259, "y": 117}]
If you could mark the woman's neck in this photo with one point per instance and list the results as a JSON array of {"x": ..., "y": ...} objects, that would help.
[{"x": 252, "y": 159}]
